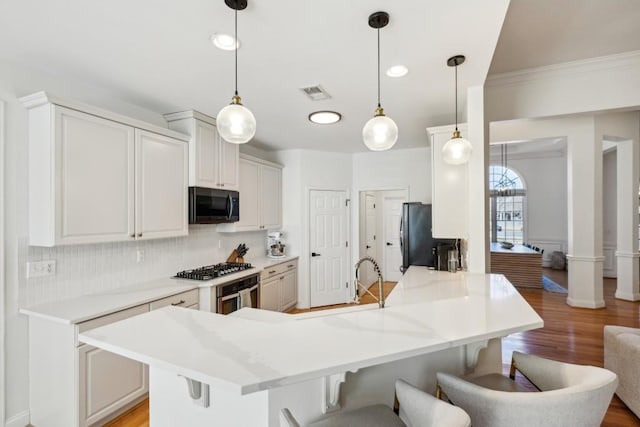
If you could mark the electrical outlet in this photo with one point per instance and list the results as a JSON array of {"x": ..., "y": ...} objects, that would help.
[
  {"x": 139, "y": 256},
  {"x": 41, "y": 268}
]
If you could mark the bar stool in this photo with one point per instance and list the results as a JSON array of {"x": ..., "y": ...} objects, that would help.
[{"x": 414, "y": 407}]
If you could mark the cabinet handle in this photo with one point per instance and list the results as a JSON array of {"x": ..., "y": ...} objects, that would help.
[
  {"x": 272, "y": 271},
  {"x": 222, "y": 185},
  {"x": 139, "y": 234},
  {"x": 290, "y": 265},
  {"x": 282, "y": 278},
  {"x": 178, "y": 303},
  {"x": 133, "y": 236}
]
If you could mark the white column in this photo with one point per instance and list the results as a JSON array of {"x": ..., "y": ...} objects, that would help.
[
  {"x": 628, "y": 167},
  {"x": 478, "y": 133},
  {"x": 584, "y": 199}
]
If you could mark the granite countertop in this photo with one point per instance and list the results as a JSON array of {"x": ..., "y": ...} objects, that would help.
[{"x": 252, "y": 350}]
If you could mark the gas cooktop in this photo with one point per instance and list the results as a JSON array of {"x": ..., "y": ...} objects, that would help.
[{"x": 209, "y": 272}]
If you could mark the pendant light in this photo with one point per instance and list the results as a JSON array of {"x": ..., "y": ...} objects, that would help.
[
  {"x": 380, "y": 132},
  {"x": 457, "y": 150},
  {"x": 235, "y": 123}
]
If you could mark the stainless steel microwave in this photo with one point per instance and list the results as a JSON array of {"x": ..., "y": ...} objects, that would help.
[{"x": 211, "y": 206}]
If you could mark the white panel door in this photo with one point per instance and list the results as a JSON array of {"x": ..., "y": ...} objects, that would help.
[
  {"x": 205, "y": 160},
  {"x": 95, "y": 183},
  {"x": 161, "y": 186},
  {"x": 271, "y": 196},
  {"x": 370, "y": 239},
  {"x": 392, "y": 255},
  {"x": 229, "y": 155},
  {"x": 329, "y": 252},
  {"x": 249, "y": 197}
]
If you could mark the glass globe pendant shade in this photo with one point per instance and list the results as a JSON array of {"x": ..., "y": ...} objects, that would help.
[
  {"x": 457, "y": 150},
  {"x": 235, "y": 123},
  {"x": 380, "y": 133}
]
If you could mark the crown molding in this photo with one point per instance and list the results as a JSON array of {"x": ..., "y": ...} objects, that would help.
[{"x": 621, "y": 60}]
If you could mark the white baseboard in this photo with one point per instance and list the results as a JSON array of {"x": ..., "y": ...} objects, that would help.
[{"x": 20, "y": 420}]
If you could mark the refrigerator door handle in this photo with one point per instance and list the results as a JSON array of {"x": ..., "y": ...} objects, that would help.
[{"x": 401, "y": 235}]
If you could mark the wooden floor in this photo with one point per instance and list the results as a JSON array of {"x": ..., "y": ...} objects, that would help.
[{"x": 570, "y": 334}]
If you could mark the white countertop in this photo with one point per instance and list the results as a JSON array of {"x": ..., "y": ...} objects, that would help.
[
  {"x": 250, "y": 351},
  {"x": 87, "y": 307}
]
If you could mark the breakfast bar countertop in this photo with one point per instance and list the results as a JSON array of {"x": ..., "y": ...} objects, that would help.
[{"x": 426, "y": 312}]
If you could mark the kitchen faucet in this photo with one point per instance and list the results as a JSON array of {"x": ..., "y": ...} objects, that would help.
[{"x": 380, "y": 281}]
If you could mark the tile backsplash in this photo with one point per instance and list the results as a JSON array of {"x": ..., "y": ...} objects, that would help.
[{"x": 87, "y": 269}]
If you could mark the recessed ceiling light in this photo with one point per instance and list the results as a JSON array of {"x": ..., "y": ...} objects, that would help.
[
  {"x": 325, "y": 117},
  {"x": 224, "y": 41},
  {"x": 397, "y": 71}
]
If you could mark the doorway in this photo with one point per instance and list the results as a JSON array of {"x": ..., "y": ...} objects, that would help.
[
  {"x": 329, "y": 247},
  {"x": 380, "y": 212}
]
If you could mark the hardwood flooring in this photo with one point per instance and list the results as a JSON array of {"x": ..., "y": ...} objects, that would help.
[
  {"x": 570, "y": 334},
  {"x": 138, "y": 416}
]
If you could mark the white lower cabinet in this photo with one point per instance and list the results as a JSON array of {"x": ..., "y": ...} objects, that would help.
[
  {"x": 279, "y": 286},
  {"x": 108, "y": 382},
  {"x": 72, "y": 384}
]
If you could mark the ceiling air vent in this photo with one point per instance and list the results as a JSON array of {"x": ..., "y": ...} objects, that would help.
[{"x": 316, "y": 93}]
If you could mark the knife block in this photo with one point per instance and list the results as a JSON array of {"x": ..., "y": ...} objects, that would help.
[{"x": 234, "y": 257}]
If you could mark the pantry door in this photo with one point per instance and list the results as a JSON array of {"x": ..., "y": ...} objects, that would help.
[{"x": 328, "y": 246}]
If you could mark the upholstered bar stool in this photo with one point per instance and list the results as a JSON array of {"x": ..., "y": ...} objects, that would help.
[
  {"x": 416, "y": 409},
  {"x": 569, "y": 395}
]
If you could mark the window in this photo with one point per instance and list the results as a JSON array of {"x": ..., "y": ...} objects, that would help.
[{"x": 507, "y": 195}]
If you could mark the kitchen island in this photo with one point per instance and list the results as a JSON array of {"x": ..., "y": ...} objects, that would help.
[
  {"x": 521, "y": 265},
  {"x": 243, "y": 368}
]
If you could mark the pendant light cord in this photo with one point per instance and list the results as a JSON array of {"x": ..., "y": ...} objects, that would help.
[
  {"x": 236, "y": 47},
  {"x": 378, "y": 67},
  {"x": 456, "y": 80}
]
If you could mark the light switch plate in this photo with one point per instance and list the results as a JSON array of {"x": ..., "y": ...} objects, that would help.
[{"x": 41, "y": 268}]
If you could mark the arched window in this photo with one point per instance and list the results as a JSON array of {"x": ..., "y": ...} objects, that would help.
[{"x": 507, "y": 195}]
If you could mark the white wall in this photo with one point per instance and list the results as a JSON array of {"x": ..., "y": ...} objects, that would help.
[
  {"x": 83, "y": 268},
  {"x": 395, "y": 169}
]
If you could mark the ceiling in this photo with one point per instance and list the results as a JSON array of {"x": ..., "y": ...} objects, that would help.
[{"x": 157, "y": 54}]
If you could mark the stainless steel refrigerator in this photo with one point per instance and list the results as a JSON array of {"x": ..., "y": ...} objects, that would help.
[{"x": 416, "y": 241}]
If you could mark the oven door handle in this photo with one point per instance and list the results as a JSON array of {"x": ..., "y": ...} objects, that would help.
[{"x": 228, "y": 297}]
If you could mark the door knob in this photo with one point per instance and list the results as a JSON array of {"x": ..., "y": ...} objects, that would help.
[
  {"x": 315, "y": 254},
  {"x": 389, "y": 244}
]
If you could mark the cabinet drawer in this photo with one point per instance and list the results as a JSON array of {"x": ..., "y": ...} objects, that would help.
[
  {"x": 184, "y": 299},
  {"x": 110, "y": 318},
  {"x": 274, "y": 270}
]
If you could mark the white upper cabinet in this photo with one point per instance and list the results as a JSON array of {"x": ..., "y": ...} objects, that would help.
[
  {"x": 161, "y": 191},
  {"x": 213, "y": 163},
  {"x": 450, "y": 214},
  {"x": 96, "y": 177},
  {"x": 260, "y": 196},
  {"x": 271, "y": 192}
]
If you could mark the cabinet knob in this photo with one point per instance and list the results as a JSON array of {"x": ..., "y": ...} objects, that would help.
[
  {"x": 133, "y": 236},
  {"x": 139, "y": 234}
]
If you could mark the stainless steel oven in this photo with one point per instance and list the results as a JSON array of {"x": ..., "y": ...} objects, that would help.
[{"x": 232, "y": 296}]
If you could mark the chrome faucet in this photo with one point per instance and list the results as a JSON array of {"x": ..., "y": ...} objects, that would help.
[{"x": 380, "y": 281}]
